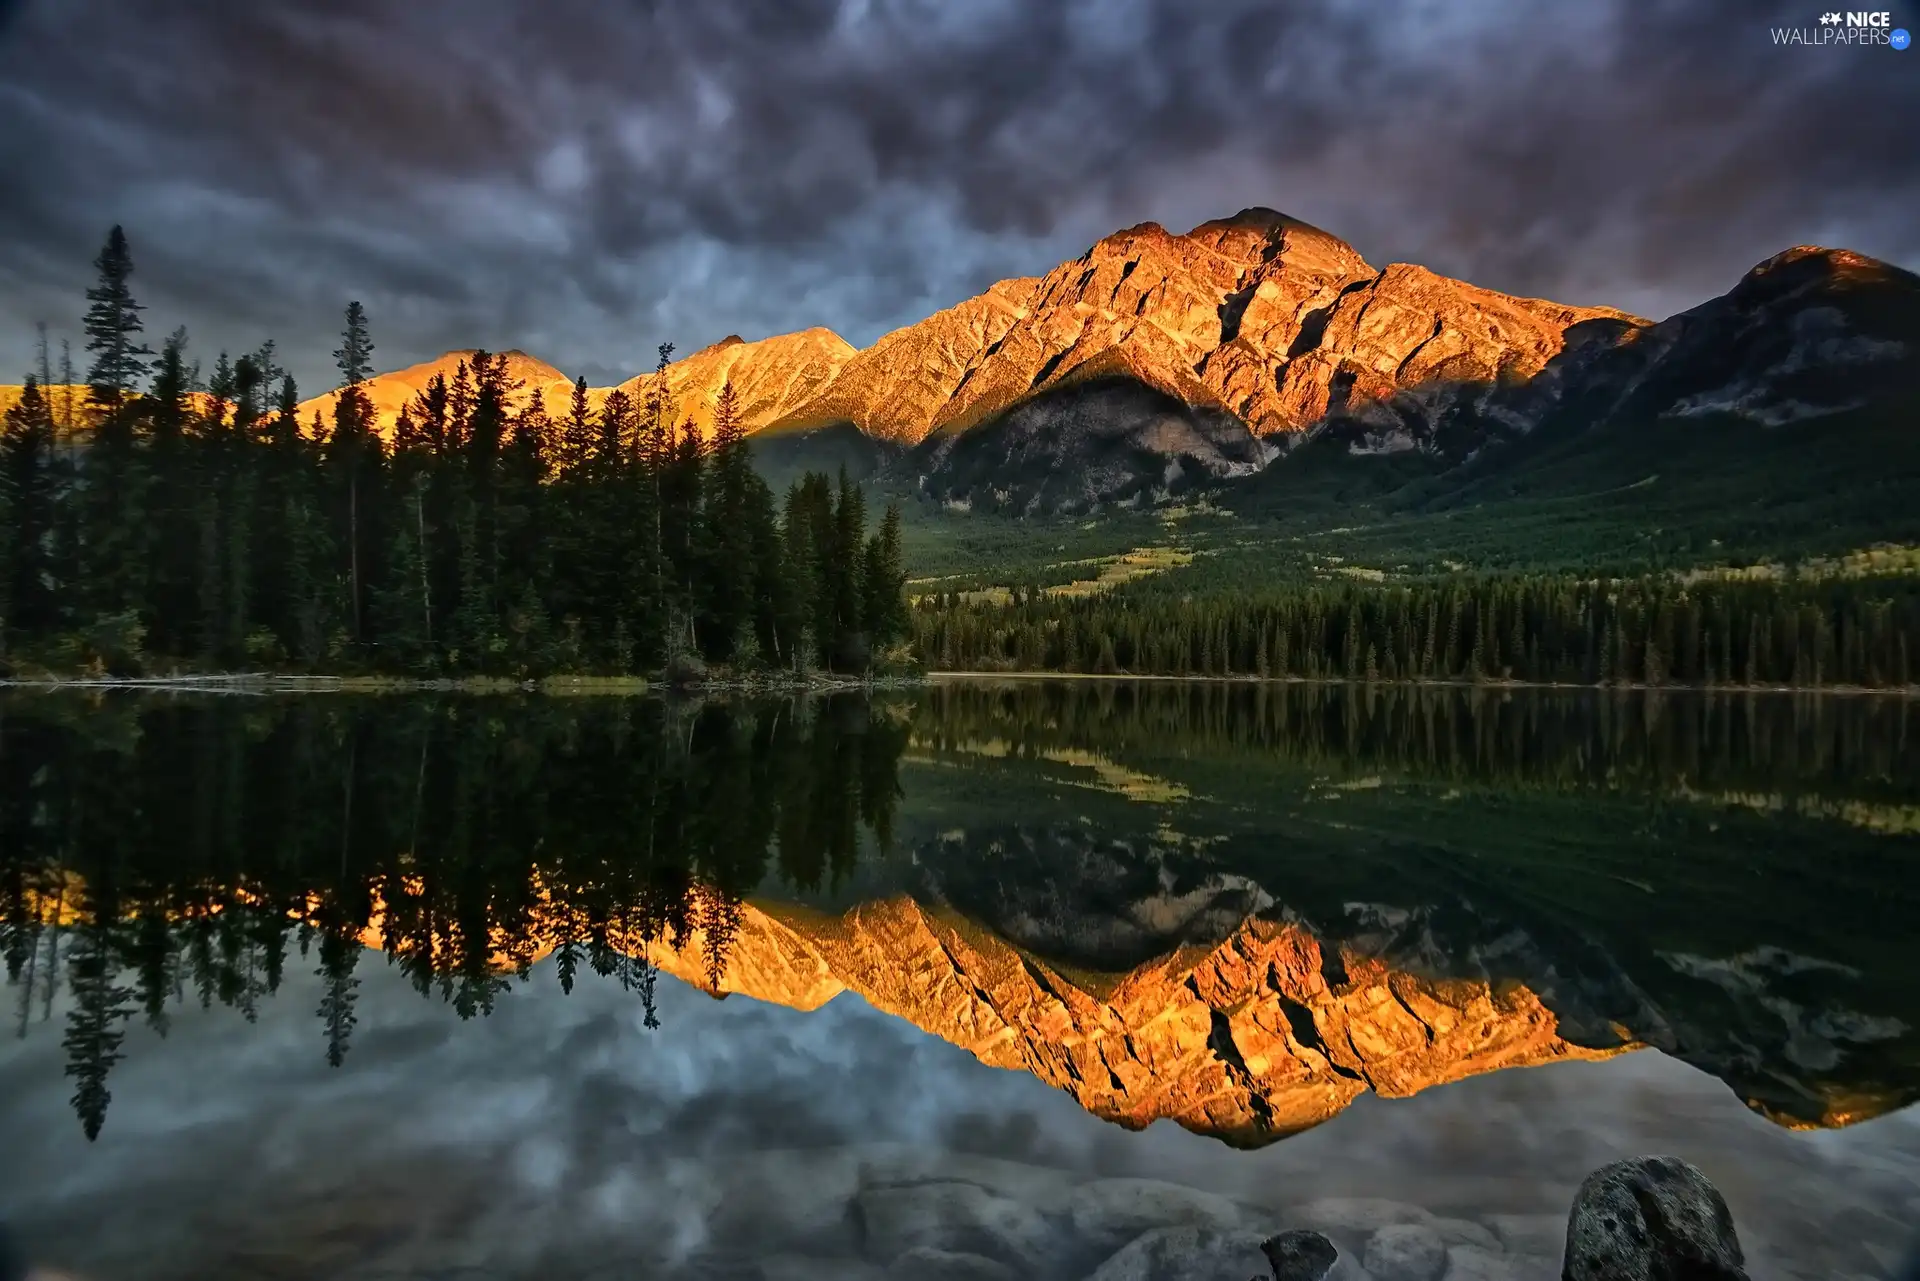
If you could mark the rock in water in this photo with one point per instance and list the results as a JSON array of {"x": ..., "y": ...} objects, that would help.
[
  {"x": 1473, "y": 1263},
  {"x": 1530, "y": 1234},
  {"x": 1354, "y": 1218},
  {"x": 1652, "y": 1218},
  {"x": 1406, "y": 1252},
  {"x": 954, "y": 1217},
  {"x": 1184, "y": 1254},
  {"x": 1111, "y": 1212},
  {"x": 925, "y": 1263},
  {"x": 1300, "y": 1255}
]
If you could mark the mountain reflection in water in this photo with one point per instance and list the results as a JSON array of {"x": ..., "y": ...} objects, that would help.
[{"x": 1237, "y": 907}]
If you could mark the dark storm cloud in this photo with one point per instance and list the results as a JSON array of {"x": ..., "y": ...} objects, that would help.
[{"x": 585, "y": 178}]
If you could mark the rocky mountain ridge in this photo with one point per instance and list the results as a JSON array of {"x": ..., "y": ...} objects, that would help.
[
  {"x": 1259, "y": 315},
  {"x": 1807, "y": 333},
  {"x": 1258, "y": 1037},
  {"x": 391, "y": 392},
  {"x": 771, "y": 376},
  {"x": 774, "y": 377},
  {"x": 1156, "y": 362}
]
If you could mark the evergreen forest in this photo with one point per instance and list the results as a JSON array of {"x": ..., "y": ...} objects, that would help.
[
  {"x": 161, "y": 517},
  {"x": 1547, "y": 628}
]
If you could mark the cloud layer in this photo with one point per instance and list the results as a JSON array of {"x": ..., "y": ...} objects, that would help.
[{"x": 585, "y": 180}]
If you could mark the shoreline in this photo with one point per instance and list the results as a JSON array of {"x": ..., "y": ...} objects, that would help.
[
  {"x": 559, "y": 686},
  {"x": 293, "y": 683},
  {"x": 1884, "y": 691}
]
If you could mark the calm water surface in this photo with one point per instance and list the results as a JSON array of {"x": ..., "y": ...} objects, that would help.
[{"x": 329, "y": 986}]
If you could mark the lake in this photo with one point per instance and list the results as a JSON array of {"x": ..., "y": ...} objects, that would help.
[{"x": 988, "y": 979}]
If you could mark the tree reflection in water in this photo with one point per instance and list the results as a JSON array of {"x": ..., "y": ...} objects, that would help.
[
  {"x": 1724, "y": 877},
  {"x": 157, "y": 851}
]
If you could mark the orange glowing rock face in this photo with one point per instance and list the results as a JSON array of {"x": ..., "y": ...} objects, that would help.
[
  {"x": 1261, "y": 315},
  {"x": 1260, "y": 1036},
  {"x": 1258, "y": 314},
  {"x": 1246, "y": 1041},
  {"x": 1275, "y": 322},
  {"x": 772, "y": 377},
  {"x": 392, "y": 392}
]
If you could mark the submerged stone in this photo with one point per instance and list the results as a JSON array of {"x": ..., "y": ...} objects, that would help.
[
  {"x": 1300, "y": 1255},
  {"x": 1651, "y": 1218}
]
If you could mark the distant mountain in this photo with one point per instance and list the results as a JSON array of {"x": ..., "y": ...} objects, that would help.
[
  {"x": 1245, "y": 331},
  {"x": 783, "y": 456},
  {"x": 1156, "y": 362},
  {"x": 901, "y": 386},
  {"x": 1112, "y": 439},
  {"x": 391, "y": 392},
  {"x": 1407, "y": 362},
  {"x": 773, "y": 377},
  {"x": 1808, "y": 333}
]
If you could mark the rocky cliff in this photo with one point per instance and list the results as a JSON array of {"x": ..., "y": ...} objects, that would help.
[
  {"x": 1807, "y": 333},
  {"x": 1259, "y": 314},
  {"x": 773, "y": 377},
  {"x": 1249, "y": 1040},
  {"x": 897, "y": 388},
  {"x": 1156, "y": 361},
  {"x": 1251, "y": 327}
]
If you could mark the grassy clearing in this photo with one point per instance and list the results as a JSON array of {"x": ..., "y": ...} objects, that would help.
[{"x": 1142, "y": 562}]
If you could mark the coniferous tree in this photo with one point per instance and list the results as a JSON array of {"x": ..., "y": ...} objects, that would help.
[
  {"x": 171, "y": 514},
  {"x": 353, "y": 456},
  {"x": 883, "y": 582},
  {"x": 848, "y": 642},
  {"x": 113, "y": 327},
  {"x": 808, "y": 534},
  {"x": 405, "y": 613},
  {"x": 281, "y": 467},
  {"x": 27, "y": 487},
  {"x": 654, "y": 455},
  {"x": 732, "y": 569},
  {"x": 96, "y": 1024},
  {"x": 110, "y": 526},
  {"x": 200, "y": 523},
  {"x": 577, "y": 437},
  {"x": 339, "y": 957}
]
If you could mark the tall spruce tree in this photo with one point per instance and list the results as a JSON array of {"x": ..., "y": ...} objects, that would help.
[
  {"x": 29, "y": 485},
  {"x": 111, "y": 526},
  {"x": 578, "y": 435},
  {"x": 883, "y": 582},
  {"x": 353, "y": 456},
  {"x": 171, "y": 528},
  {"x": 732, "y": 568},
  {"x": 113, "y": 326}
]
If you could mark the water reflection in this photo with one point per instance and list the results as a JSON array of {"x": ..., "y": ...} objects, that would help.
[
  {"x": 1237, "y": 907},
  {"x": 160, "y": 851}
]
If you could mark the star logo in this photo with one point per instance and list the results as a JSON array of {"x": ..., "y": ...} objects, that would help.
[{"x": 1829, "y": 19}]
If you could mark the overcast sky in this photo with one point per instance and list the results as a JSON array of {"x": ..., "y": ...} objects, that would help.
[{"x": 588, "y": 178}]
